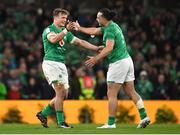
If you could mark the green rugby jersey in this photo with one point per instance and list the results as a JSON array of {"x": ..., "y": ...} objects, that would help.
[
  {"x": 113, "y": 31},
  {"x": 55, "y": 51}
]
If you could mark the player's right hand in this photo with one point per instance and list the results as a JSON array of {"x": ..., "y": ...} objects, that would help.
[
  {"x": 76, "y": 25},
  {"x": 70, "y": 26}
]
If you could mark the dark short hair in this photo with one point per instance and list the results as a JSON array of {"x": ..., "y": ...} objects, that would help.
[
  {"x": 108, "y": 14},
  {"x": 60, "y": 10}
]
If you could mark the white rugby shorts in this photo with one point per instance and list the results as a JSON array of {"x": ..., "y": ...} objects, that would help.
[
  {"x": 121, "y": 71},
  {"x": 55, "y": 72}
]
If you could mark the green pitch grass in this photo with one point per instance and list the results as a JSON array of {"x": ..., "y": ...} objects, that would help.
[{"x": 88, "y": 129}]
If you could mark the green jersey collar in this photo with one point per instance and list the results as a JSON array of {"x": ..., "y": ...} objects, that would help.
[
  {"x": 109, "y": 23},
  {"x": 54, "y": 26}
]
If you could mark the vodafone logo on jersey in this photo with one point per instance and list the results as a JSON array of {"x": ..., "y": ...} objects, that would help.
[{"x": 61, "y": 42}]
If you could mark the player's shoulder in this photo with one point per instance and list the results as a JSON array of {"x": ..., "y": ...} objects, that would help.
[
  {"x": 47, "y": 29},
  {"x": 113, "y": 27}
]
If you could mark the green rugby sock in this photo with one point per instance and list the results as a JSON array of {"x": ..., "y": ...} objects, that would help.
[
  {"x": 142, "y": 113},
  {"x": 47, "y": 110},
  {"x": 111, "y": 120},
  {"x": 60, "y": 117}
]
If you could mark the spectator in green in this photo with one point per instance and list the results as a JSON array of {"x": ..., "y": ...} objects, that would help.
[
  {"x": 144, "y": 86},
  {"x": 3, "y": 89}
]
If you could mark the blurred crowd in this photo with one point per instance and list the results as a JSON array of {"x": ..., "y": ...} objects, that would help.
[{"x": 152, "y": 35}]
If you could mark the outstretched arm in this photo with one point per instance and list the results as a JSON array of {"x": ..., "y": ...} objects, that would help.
[
  {"x": 85, "y": 44},
  {"x": 89, "y": 31}
]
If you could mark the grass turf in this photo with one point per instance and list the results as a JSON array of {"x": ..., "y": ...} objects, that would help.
[{"x": 89, "y": 129}]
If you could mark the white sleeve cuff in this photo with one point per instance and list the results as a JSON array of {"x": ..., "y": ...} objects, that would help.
[
  {"x": 50, "y": 34},
  {"x": 72, "y": 41}
]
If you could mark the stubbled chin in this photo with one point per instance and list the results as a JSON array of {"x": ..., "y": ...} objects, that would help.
[{"x": 61, "y": 25}]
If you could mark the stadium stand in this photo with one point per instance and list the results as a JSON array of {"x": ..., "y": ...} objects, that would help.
[{"x": 152, "y": 33}]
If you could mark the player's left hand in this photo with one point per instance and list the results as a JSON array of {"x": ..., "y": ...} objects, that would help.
[{"x": 90, "y": 62}]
